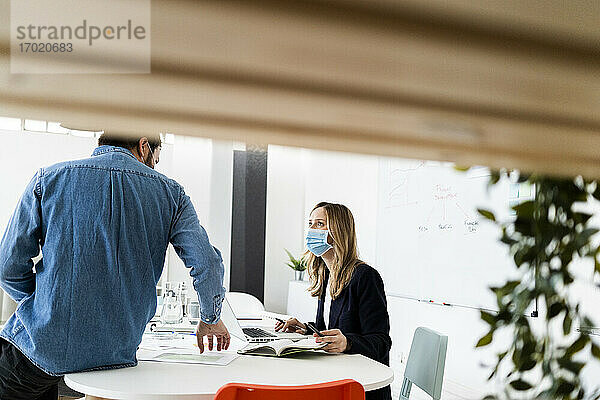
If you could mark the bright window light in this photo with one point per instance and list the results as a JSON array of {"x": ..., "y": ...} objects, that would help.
[
  {"x": 85, "y": 134},
  {"x": 239, "y": 146},
  {"x": 54, "y": 127},
  {"x": 35, "y": 126},
  {"x": 10, "y": 124},
  {"x": 169, "y": 138}
]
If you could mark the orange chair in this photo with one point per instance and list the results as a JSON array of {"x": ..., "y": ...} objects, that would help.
[{"x": 346, "y": 389}]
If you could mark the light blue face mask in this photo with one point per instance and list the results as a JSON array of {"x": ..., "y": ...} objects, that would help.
[{"x": 316, "y": 241}]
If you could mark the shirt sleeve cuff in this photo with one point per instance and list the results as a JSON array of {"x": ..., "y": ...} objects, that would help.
[{"x": 213, "y": 317}]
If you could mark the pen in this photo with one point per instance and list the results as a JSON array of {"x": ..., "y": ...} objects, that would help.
[{"x": 280, "y": 320}]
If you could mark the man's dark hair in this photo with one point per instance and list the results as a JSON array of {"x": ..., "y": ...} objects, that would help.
[{"x": 128, "y": 142}]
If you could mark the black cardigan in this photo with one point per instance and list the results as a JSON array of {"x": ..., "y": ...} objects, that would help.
[{"x": 360, "y": 312}]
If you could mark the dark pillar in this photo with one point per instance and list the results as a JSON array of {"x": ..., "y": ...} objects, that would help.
[{"x": 248, "y": 223}]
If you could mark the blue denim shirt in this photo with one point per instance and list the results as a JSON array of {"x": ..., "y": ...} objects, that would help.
[{"x": 103, "y": 225}]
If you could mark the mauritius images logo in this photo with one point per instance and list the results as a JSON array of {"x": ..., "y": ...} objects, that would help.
[{"x": 80, "y": 36}]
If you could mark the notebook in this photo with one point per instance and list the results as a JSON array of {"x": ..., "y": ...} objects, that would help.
[{"x": 281, "y": 347}]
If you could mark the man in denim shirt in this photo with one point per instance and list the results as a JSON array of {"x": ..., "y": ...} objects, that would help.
[{"x": 103, "y": 225}]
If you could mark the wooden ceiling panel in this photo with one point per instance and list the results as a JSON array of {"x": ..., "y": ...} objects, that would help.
[{"x": 349, "y": 75}]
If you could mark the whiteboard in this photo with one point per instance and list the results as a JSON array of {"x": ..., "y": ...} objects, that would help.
[{"x": 431, "y": 242}]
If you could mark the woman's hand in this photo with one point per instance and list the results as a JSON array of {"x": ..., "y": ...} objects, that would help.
[
  {"x": 337, "y": 342},
  {"x": 291, "y": 325}
]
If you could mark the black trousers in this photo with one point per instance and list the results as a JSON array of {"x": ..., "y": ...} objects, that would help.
[{"x": 21, "y": 380}]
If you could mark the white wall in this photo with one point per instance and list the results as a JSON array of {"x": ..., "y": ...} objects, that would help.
[
  {"x": 21, "y": 155},
  {"x": 285, "y": 221},
  {"x": 204, "y": 168},
  {"x": 221, "y": 191},
  {"x": 351, "y": 180},
  {"x": 297, "y": 180}
]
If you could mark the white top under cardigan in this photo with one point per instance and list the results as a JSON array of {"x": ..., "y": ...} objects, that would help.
[{"x": 327, "y": 306}]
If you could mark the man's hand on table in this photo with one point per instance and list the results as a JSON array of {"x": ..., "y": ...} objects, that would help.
[{"x": 217, "y": 330}]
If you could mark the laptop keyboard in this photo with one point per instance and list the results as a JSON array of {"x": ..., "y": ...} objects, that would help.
[{"x": 257, "y": 333}]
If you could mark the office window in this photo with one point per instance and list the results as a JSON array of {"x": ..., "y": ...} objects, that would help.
[
  {"x": 54, "y": 127},
  {"x": 10, "y": 124},
  {"x": 84, "y": 134},
  {"x": 35, "y": 125},
  {"x": 168, "y": 138}
]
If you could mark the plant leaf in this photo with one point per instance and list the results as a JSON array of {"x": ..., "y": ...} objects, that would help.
[
  {"x": 494, "y": 178},
  {"x": 528, "y": 364},
  {"x": 520, "y": 384},
  {"x": 583, "y": 238},
  {"x": 570, "y": 365},
  {"x": 567, "y": 322},
  {"x": 487, "y": 214},
  {"x": 289, "y": 254},
  {"x": 488, "y": 317},
  {"x": 485, "y": 340},
  {"x": 523, "y": 177},
  {"x": 596, "y": 193},
  {"x": 596, "y": 351},
  {"x": 508, "y": 240},
  {"x": 554, "y": 310},
  {"x": 525, "y": 209},
  {"x": 564, "y": 387},
  {"x": 577, "y": 345}
]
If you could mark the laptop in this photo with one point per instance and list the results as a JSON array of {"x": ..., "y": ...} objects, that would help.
[{"x": 252, "y": 334}]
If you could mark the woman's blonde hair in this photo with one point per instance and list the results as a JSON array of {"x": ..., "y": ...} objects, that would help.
[{"x": 340, "y": 223}]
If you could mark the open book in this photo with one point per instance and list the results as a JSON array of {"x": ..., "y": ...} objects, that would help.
[{"x": 281, "y": 347}]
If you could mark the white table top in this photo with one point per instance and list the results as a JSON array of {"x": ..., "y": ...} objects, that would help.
[{"x": 154, "y": 380}]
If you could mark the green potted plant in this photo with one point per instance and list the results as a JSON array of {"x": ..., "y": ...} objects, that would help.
[{"x": 297, "y": 264}]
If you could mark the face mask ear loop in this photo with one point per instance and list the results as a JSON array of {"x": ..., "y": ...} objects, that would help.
[
  {"x": 332, "y": 245},
  {"x": 332, "y": 238},
  {"x": 151, "y": 152},
  {"x": 151, "y": 155}
]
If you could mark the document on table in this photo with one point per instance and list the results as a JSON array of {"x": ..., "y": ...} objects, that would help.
[
  {"x": 159, "y": 341},
  {"x": 184, "y": 356},
  {"x": 180, "y": 349}
]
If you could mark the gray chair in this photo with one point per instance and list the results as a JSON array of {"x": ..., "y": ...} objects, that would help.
[{"x": 425, "y": 365}]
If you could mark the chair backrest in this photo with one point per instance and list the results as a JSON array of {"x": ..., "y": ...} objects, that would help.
[
  {"x": 245, "y": 305},
  {"x": 425, "y": 365},
  {"x": 346, "y": 389}
]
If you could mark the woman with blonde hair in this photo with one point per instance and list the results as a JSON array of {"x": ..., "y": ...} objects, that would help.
[{"x": 352, "y": 310}]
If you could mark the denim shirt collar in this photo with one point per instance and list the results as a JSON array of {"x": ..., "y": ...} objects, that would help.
[{"x": 108, "y": 149}]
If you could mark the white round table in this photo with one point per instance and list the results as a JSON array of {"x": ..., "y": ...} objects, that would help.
[{"x": 154, "y": 380}]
